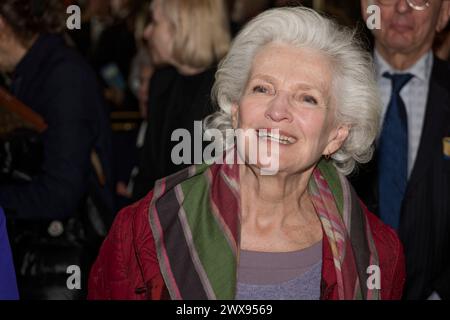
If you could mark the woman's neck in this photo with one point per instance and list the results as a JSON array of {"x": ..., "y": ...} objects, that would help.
[
  {"x": 276, "y": 197},
  {"x": 277, "y": 214}
]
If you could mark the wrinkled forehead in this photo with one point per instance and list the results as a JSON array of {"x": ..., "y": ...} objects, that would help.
[{"x": 297, "y": 67}]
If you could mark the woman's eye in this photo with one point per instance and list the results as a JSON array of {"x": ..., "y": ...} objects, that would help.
[
  {"x": 260, "y": 89},
  {"x": 310, "y": 100}
]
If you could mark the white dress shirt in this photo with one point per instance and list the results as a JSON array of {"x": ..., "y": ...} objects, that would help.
[{"x": 414, "y": 95}]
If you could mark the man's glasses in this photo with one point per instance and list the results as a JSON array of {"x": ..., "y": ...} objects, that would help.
[{"x": 415, "y": 4}]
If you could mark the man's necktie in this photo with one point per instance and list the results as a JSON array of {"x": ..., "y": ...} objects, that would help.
[{"x": 393, "y": 154}]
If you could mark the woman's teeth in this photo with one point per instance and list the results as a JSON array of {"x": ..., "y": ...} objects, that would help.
[{"x": 276, "y": 137}]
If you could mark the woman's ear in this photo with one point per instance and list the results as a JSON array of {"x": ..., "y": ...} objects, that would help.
[
  {"x": 338, "y": 138},
  {"x": 235, "y": 115}
]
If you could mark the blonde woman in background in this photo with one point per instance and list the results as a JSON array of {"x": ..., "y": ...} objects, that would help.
[{"x": 186, "y": 40}]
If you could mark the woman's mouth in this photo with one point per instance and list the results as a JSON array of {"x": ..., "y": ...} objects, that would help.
[{"x": 276, "y": 136}]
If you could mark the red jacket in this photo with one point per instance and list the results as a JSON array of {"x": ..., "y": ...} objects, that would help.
[{"x": 127, "y": 266}]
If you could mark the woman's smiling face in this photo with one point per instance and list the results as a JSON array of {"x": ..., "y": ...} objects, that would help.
[{"x": 289, "y": 89}]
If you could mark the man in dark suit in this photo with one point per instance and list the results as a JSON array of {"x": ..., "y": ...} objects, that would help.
[{"x": 408, "y": 181}]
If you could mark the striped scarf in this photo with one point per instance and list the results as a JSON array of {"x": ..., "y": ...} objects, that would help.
[{"x": 195, "y": 219}]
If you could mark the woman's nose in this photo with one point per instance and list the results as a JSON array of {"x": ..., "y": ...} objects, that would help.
[{"x": 278, "y": 109}]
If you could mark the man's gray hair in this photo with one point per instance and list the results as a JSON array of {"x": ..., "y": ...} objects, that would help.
[{"x": 354, "y": 89}]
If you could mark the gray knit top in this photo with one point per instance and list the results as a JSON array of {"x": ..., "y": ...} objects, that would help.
[{"x": 280, "y": 276}]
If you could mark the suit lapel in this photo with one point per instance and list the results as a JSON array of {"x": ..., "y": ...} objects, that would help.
[{"x": 438, "y": 108}]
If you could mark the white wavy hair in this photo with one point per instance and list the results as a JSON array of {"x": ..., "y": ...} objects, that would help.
[{"x": 355, "y": 91}]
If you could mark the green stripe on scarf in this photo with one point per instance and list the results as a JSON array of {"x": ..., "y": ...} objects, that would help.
[{"x": 209, "y": 239}]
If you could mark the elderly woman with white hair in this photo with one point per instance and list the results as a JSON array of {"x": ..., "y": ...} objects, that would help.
[{"x": 302, "y": 85}]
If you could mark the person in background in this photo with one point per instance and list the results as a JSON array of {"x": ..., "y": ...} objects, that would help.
[
  {"x": 8, "y": 285},
  {"x": 188, "y": 38},
  {"x": 96, "y": 17},
  {"x": 72, "y": 181},
  {"x": 119, "y": 47},
  {"x": 143, "y": 70},
  {"x": 408, "y": 183},
  {"x": 302, "y": 87},
  {"x": 113, "y": 55}
]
